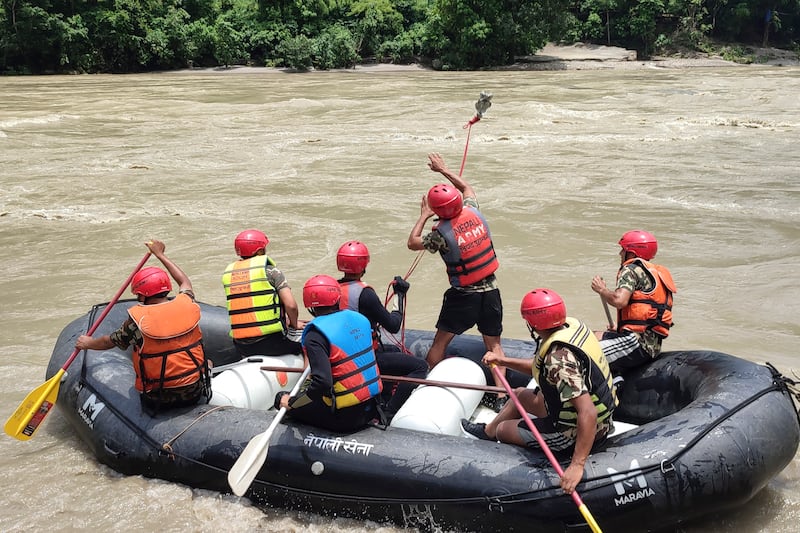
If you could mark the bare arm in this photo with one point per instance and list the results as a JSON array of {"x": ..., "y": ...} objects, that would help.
[
  {"x": 157, "y": 248},
  {"x": 618, "y": 298},
  {"x": 436, "y": 163},
  {"x": 524, "y": 366},
  {"x": 289, "y": 307},
  {"x": 415, "y": 237},
  {"x": 85, "y": 342},
  {"x": 587, "y": 424}
]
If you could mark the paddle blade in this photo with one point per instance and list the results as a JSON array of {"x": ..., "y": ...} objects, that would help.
[
  {"x": 33, "y": 409},
  {"x": 247, "y": 466},
  {"x": 253, "y": 457}
]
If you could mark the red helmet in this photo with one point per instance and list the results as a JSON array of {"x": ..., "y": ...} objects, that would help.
[
  {"x": 445, "y": 200},
  {"x": 250, "y": 241},
  {"x": 352, "y": 257},
  {"x": 640, "y": 243},
  {"x": 543, "y": 309},
  {"x": 150, "y": 281},
  {"x": 321, "y": 291}
]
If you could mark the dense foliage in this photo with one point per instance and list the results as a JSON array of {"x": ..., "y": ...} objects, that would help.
[{"x": 133, "y": 35}]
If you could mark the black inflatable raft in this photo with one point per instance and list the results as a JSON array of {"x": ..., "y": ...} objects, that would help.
[{"x": 714, "y": 430}]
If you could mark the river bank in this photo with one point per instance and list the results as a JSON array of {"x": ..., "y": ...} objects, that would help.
[{"x": 579, "y": 56}]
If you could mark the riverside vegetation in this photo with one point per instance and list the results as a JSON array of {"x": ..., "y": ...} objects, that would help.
[{"x": 62, "y": 36}]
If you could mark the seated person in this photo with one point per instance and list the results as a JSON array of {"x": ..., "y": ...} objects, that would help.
[
  {"x": 168, "y": 357},
  {"x": 260, "y": 303},
  {"x": 340, "y": 394},
  {"x": 576, "y": 399},
  {"x": 352, "y": 259}
]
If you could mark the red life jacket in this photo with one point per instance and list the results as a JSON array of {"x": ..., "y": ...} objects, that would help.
[
  {"x": 171, "y": 354},
  {"x": 653, "y": 309},
  {"x": 470, "y": 257},
  {"x": 351, "y": 292}
]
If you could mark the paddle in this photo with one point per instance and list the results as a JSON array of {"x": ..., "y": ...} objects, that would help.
[
  {"x": 608, "y": 314},
  {"x": 406, "y": 379},
  {"x": 247, "y": 466},
  {"x": 252, "y": 359},
  {"x": 546, "y": 449},
  {"x": 37, "y": 404}
]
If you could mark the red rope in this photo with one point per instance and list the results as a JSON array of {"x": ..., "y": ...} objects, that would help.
[{"x": 401, "y": 343}]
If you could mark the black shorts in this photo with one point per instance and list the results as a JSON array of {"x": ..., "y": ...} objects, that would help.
[{"x": 462, "y": 310}]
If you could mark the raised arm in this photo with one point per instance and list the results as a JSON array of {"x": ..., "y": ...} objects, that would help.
[
  {"x": 415, "y": 237},
  {"x": 157, "y": 248},
  {"x": 436, "y": 163}
]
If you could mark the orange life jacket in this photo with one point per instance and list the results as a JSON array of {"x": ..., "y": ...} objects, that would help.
[
  {"x": 171, "y": 354},
  {"x": 653, "y": 309},
  {"x": 470, "y": 257}
]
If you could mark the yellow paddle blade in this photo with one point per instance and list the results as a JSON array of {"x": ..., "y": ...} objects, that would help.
[
  {"x": 31, "y": 412},
  {"x": 587, "y": 515}
]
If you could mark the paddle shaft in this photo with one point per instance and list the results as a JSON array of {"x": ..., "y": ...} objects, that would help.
[
  {"x": 608, "y": 314},
  {"x": 545, "y": 448},
  {"x": 107, "y": 309},
  {"x": 405, "y": 379},
  {"x": 24, "y": 422},
  {"x": 247, "y": 360}
]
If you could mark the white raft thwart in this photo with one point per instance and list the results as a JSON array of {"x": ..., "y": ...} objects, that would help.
[
  {"x": 440, "y": 409},
  {"x": 246, "y": 385}
]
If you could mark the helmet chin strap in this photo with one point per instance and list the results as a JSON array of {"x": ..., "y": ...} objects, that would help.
[{"x": 535, "y": 336}]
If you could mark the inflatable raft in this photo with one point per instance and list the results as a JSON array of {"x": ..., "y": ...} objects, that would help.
[{"x": 713, "y": 430}]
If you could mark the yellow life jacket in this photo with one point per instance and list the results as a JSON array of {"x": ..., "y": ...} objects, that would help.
[
  {"x": 253, "y": 304},
  {"x": 596, "y": 374}
]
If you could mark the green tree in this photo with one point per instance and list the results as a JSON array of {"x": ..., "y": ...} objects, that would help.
[
  {"x": 335, "y": 47},
  {"x": 642, "y": 22},
  {"x": 296, "y": 52},
  {"x": 474, "y": 33},
  {"x": 375, "y": 22},
  {"x": 32, "y": 35},
  {"x": 228, "y": 43}
]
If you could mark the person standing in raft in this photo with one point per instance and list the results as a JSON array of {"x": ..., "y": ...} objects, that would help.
[
  {"x": 576, "y": 401},
  {"x": 462, "y": 238},
  {"x": 643, "y": 298},
  {"x": 352, "y": 259},
  {"x": 168, "y": 357},
  {"x": 261, "y": 307},
  {"x": 341, "y": 392}
]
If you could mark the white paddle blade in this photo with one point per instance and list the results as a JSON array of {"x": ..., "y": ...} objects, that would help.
[
  {"x": 253, "y": 457},
  {"x": 249, "y": 464}
]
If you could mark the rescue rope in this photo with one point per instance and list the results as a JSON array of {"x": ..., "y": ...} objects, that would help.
[
  {"x": 167, "y": 446},
  {"x": 481, "y": 106}
]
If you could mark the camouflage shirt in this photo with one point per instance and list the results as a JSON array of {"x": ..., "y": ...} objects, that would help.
[
  {"x": 276, "y": 278},
  {"x": 635, "y": 278},
  {"x": 564, "y": 372},
  {"x": 434, "y": 242}
]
